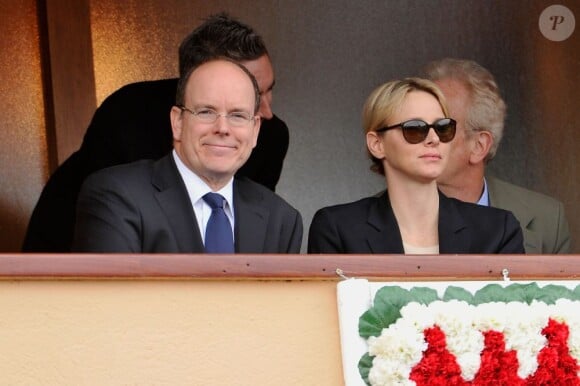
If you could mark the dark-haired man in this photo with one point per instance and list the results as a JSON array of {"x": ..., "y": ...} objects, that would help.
[
  {"x": 133, "y": 123},
  {"x": 189, "y": 201}
]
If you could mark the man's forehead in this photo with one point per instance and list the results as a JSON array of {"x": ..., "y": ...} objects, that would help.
[
  {"x": 218, "y": 81},
  {"x": 224, "y": 67},
  {"x": 220, "y": 74}
]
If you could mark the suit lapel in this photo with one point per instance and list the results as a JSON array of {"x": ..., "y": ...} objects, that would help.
[
  {"x": 251, "y": 218},
  {"x": 381, "y": 219},
  {"x": 501, "y": 198},
  {"x": 384, "y": 235},
  {"x": 173, "y": 198},
  {"x": 532, "y": 241},
  {"x": 451, "y": 227}
]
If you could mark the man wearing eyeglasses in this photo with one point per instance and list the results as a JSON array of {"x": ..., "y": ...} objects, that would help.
[
  {"x": 146, "y": 206},
  {"x": 474, "y": 100},
  {"x": 133, "y": 123}
]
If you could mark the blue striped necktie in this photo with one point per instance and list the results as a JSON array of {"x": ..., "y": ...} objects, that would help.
[{"x": 218, "y": 233}]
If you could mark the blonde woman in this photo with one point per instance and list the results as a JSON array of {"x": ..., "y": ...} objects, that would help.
[{"x": 408, "y": 131}]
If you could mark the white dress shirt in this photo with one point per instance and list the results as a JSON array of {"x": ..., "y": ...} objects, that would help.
[{"x": 197, "y": 188}]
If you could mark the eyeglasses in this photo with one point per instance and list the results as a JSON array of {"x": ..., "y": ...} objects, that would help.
[
  {"x": 416, "y": 130},
  {"x": 235, "y": 119}
]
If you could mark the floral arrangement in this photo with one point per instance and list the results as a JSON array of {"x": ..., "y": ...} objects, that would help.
[{"x": 515, "y": 335}]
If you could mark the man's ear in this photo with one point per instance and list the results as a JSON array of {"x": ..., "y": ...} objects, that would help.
[
  {"x": 375, "y": 144},
  {"x": 481, "y": 144},
  {"x": 176, "y": 117}
]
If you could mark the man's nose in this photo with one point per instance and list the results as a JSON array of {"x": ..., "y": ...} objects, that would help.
[{"x": 222, "y": 125}]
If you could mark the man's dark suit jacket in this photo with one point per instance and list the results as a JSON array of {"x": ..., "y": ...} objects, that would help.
[
  {"x": 144, "y": 207},
  {"x": 132, "y": 124},
  {"x": 369, "y": 226}
]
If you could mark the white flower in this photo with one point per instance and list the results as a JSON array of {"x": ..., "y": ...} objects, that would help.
[
  {"x": 469, "y": 363},
  {"x": 387, "y": 372},
  {"x": 418, "y": 314},
  {"x": 490, "y": 317},
  {"x": 400, "y": 346},
  {"x": 523, "y": 333},
  {"x": 568, "y": 311},
  {"x": 455, "y": 318},
  {"x": 401, "y": 342},
  {"x": 397, "y": 350}
]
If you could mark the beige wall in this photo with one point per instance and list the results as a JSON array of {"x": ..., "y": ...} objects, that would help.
[
  {"x": 92, "y": 319},
  {"x": 167, "y": 332},
  {"x": 23, "y": 146}
]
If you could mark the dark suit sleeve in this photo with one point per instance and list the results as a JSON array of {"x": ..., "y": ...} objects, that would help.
[
  {"x": 106, "y": 218},
  {"x": 131, "y": 124},
  {"x": 323, "y": 236},
  {"x": 295, "y": 228},
  {"x": 513, "y": 238},
  {"x": 51, "y": 224}
]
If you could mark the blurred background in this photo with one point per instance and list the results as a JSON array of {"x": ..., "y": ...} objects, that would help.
[{"x": 60, "y": 59}]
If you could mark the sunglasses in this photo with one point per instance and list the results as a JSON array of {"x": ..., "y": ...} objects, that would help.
[{"x": 416, "y": 130}]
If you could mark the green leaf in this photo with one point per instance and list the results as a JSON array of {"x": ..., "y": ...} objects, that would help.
[
  {"x": 423, "y": 295},
  {"x": 386, "y": 310},
  {"x": 392, "y": 295},
  {"x": 577, "y": 292},
  {"x": 490, "y": 293},
  {"x": 457, "y": 293},
  {"x": 550, "y": 293},
  {"x": 364, "y": 367},
  {"x": 372, "y": 322},
  {"x": 387, "y": 306},
  {"x": 523, "y": 293}
]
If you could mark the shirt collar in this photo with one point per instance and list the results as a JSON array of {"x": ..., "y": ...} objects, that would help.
[
  {"x": 197, "y": 188},
  {"x": 484, "y": 199}
]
